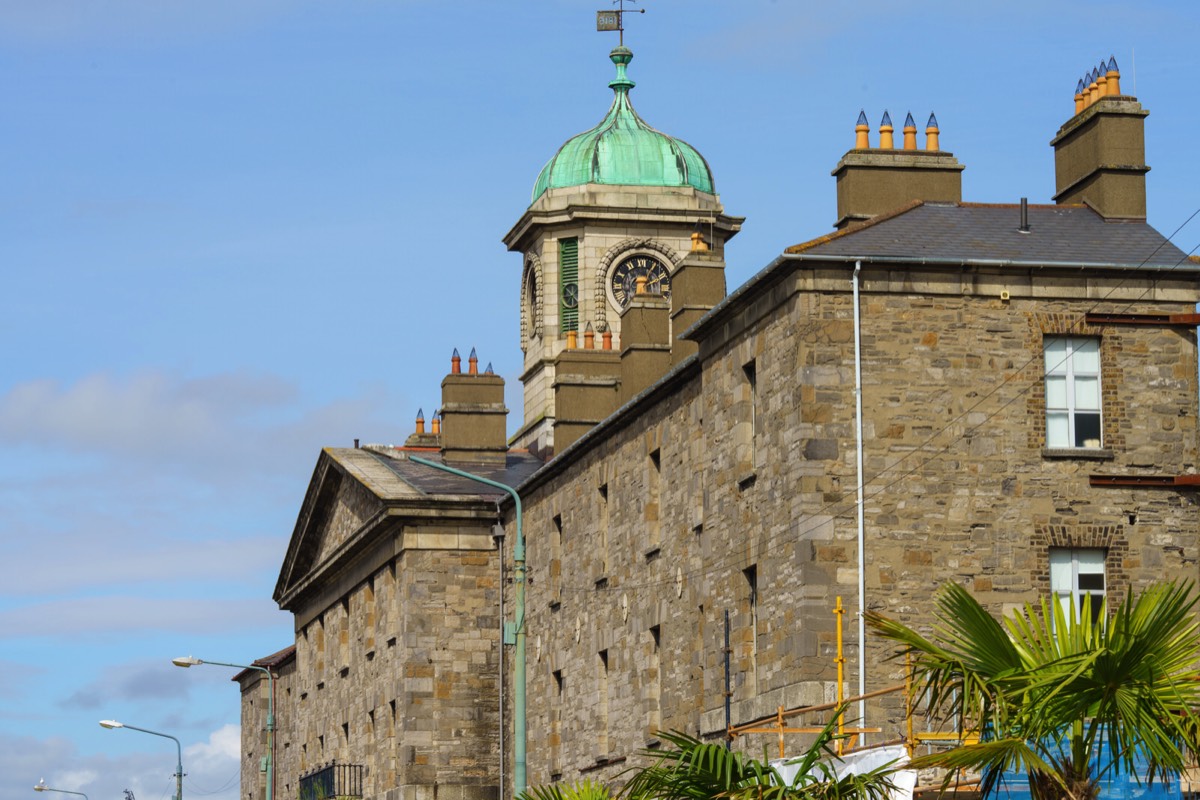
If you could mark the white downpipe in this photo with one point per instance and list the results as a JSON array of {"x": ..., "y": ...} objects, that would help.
[{"x": 862, "y": 559}]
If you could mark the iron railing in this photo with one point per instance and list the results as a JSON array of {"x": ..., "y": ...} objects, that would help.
[{"x": 332, "y": 782}]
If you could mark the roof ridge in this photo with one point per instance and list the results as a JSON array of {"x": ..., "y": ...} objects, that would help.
[
  {"x": 276, "y": 657},
  {"x": 873, "y": 221},
  {"x": 1018, "y": 205}
]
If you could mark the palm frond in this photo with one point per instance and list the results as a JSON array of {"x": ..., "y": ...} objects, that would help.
[
  {"x": 586, "y": 789},
  {"x": 1064, "y": 697},
  {"x": 690, "y": 769}
]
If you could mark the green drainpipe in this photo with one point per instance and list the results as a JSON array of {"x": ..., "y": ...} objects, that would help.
[{"x": 519, "y": 654}]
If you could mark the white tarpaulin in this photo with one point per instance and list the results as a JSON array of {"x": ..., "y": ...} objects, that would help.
[{"x": 904, "y": 780}]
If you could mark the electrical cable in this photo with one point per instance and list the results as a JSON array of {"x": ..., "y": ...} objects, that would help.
[{"x": 831, "y": 508}]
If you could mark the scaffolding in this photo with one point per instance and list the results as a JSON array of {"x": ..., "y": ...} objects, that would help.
[{"x": 792, "y": 720}]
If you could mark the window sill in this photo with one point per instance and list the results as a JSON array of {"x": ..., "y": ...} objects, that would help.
[{"x": 1085, "y": 453}]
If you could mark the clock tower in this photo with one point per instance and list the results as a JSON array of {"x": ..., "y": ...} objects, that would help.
[{"x": 618, "y": 202}]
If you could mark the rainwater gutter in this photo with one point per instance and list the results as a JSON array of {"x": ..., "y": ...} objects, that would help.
[
  {"x": 906, "y": 261},
  {"x": 519, "y": 771},
  {"x": 862, "y": 558},
  {"x": 983, "y": 262}
]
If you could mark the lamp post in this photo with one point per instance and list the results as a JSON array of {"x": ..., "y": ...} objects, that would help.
[
  {"x": 189, "y": 661},
  {"x": 42, "y": 787},
  {"x": 112, "y": 723}
]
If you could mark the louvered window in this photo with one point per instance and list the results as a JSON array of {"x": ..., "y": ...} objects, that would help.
[{"x": 568, "y": 282}]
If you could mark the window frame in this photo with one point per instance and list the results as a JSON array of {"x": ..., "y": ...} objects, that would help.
[
  {"x": 1066, "y": 566},
  {"x": 1073, "y": 376}
]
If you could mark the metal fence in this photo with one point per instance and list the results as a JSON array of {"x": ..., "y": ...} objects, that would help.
[{"x": 332, "y": 781}]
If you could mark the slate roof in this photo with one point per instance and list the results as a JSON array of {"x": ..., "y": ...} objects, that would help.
[
  {"x": 519, "y": 465},
  {"x": 272, "y": 662},
  {"x": 1066, "y": 234}
]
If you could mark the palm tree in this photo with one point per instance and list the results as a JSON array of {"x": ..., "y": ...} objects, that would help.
[
  {"x": 583, "y": 790},
  {"x": 689, "y": 769},
  {"x": 1069, "y": 702}
]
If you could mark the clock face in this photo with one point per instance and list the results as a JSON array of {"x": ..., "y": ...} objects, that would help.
[
  {"x": 624, "y": 278},
  {"x": 570, "y": 295}
]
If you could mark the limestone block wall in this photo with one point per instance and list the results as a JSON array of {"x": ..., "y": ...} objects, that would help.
[
  {"x": 736, "y": 492},
  {"x": 609, "y": 585},
  {"x": 254, "y": 689},
  {"x": 399, "y": 675},
  {"x": 352, "y": 506}
]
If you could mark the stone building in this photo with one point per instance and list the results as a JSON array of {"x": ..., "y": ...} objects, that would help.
[{"x": 1000, "y": 395}]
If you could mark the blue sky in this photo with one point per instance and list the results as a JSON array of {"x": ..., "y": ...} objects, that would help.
[{"x": 235, "y": 231}]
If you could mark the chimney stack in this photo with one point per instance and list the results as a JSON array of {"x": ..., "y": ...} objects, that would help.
[
  {"x": 473, "y": 415},
  {"x": 697, "y": 284},
  {"x": 587, "y": 387},
  {"x": 645, "y": 340},
  {"x": 1100, "y": 153},
  {"x": 874, "y": 181},
  {"x": 419, "y": 437}
]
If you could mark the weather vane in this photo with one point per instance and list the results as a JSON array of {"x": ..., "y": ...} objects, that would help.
[{"x": 615, "y": 20}]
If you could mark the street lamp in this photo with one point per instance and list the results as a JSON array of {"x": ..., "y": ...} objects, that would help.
[
  {"x": 189, "y": 661},
  {"x": 42, "y": 787},
  {"x": 112, "y": 723}
]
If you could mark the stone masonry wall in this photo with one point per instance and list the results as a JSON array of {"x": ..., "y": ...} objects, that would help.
[
  {"x": 399, "y": 675},
  {"x": 737, "y": 493}
]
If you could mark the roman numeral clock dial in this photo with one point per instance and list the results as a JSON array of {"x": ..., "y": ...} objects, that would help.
[{"x": 623, "y": 281}]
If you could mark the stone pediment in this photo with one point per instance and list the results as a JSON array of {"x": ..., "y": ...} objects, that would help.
[
  {"x": 348, "y": 495},
  {"x": 369, "y": 505}
]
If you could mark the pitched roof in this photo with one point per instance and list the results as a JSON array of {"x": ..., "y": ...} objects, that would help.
[
  {"x": 271, "y": 662},
  {"x": 518, "y": 466},
  {"x": 386, "y": 472},
  {"x": 1066, "y": 234}
]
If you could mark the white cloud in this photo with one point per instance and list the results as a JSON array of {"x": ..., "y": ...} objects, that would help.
[
  {"x": 149, "y": 414},
  {"x": 156, "y": 484},
  {"x": 224, "y": 745},
  {"x": 103, "y": 561},
  {"x": 209, "y": 769},
  {"x": 146, "y": 680},
  {"x": 218, "y": 429},
  {"x": 74, "y": 780},
  {"x": 105, "y": 616}
]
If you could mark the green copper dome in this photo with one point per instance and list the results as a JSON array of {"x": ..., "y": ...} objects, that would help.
[{"x": 623, "y": 149}]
